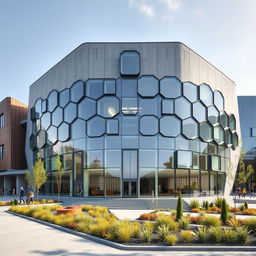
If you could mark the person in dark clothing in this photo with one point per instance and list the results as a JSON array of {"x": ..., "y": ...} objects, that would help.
[{"x": 22, "y": 193}]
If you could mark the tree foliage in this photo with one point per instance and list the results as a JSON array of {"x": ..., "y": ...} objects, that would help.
[
  {"x": 58, "y": 174},
  {"x": 224, "y": 211},
  {"x": 179, "y": 210}
]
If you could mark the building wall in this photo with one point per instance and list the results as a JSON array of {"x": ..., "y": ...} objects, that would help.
[{"x": 101, "y": 60}]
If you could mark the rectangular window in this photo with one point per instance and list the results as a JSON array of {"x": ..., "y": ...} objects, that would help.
[
  {"x": 1, "y": 152},
  {"x": 184, "y": 159},
  {"x": 1, "y": 120},
  {"x": 253, "y": 131}
]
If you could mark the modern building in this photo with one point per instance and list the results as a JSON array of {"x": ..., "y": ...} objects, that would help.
[
  {"x": 12, "y": 144},
  {"x": 248, "y": 132},
  {"x": 135, "y": 120}
]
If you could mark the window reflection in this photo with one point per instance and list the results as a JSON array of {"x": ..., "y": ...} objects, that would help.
[
  {"x": 108, "y": 106},
  {"x": 129, "y": 106}
]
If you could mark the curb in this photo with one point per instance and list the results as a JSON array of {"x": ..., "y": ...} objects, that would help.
[{"x": 141, "y": 248}]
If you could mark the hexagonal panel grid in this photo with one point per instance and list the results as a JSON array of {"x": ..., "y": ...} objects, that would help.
[
  {"x": 190, "y": 91},
  {"x": 94, "y": 88},
  {"x": 190, "y": 128},
  {"x": 224, "y": 119},
  {"x": 57, "y": 116},
  {"x": 213, "y": 115},
  {"x": 182, "y": 108},
  {"x": 77, "y": 91},
  {"x": 148, "y": 125},
  {"x": 32, "y": 142},
  {"x": 41, "y": 138},
  {"x": 63, "y": 132},
  {"x": 64, "y": 98},
  {"x": 219, "y": 134},
  {"x": 167, "y": 107},
  {"x": 52, "y": 135},
  {"x": 70, "y": 112},
  {"x": 218, "y": 100},
  {"x": 206, "y": 94},
  {"x": 148, "y": 86},
  {"x": 199, "y": 111},
  {"x": 87, "y": 109},
  {"x": 78, "y": 129},
  {"x": 232, "y": 122},
  {"x": 96, "y": 126},
  {"x": 170, "y": 126},
  {"x": 129, "y": 63},
  {"x": 108, "y": 106},
  {"x": 170, "y": 87},
  {"x": 38, "y": 108},
  {"x": 228, "y": 138},
  {"x": 206, "y": 131},
  {"x": 52, "y": 100},
  {"x": 45, "y": 121}
]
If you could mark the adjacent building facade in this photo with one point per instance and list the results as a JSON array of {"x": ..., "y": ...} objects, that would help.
[
  {"x": 12, "y": 144},
  {"x": 135, "y": 120}
]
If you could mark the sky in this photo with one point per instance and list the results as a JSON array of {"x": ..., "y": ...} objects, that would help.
[{"x": 36, "y": 34}]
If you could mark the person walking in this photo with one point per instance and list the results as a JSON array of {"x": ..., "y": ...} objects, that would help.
[
  {"x": 22, "y": 193},
  {"x": 239, "y": 192},
  {"x": 243, "y": 192},
  {"x": 30, "y": 197}
]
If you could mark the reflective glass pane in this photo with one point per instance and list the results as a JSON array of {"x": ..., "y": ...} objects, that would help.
[
  {"x": 96, "y": 126},
  {"x": 113, "y": 142},
  {"x": 199, "y": 111},
  {"x": 94, "y": 182},
  {"x": 148, "y": 158},
  {"x": 195, "y": 160},
  {"x": 148, "y": 106},
  {"x": 52, "y": 100},
  {"x": 167, "y": 107},
  {"x": 218, "y": 100},
  {"x": 224, "y": 119},
  {"x": 182, "y": 182},
  {"x": 112, "y": 126},
  {"x": 182, "y": 143},
  {"x": 232, "y": 122},
  {"x": 32, "y": 142},
  {"x": 194, "y": 182},
  {"x": 206, "y": 94},
  {"x": 44, "y": 106},
  {"x": 77, "y": 91},
  {"x": 80, "y": 144},
  {"x": 213, "y": 183},
  {"x": 206, "y": 131},
  {"x": 113, "y": 158},
  {"x": 87, "y": 108},
  {"x": 38, "y": 108},
  {"x": 95, "y": 143},
  {"x": 215, "y": 163},
  {"x": 213, "y": 115},
  {"x": 148, "y": 86},
  {"x": 57, "y": 116},
  {"x": 194, "y": 145},
  {"x": 129, "y": 125},
  {"x": 190, "y": 91},
  {"x": 36, "y": 126},
  {"x": 94, "y": 88},
  {"x": 110, "y": 86},
  {"x": 78, "y": 129},
  {"x": 166, "y": 182},
  {"x": 212, "y": 149},
  {"x": 221, "y": 182},
  {"x": 129, "y": 63},
  {"x": 70, "y": 113},
  {"x": 204, "y": 183},
  {"x": 113, "y": 178},
  {"x": 182, "y": 108},
  {"x": 184, "y": 159},
  {"x": 41, "y": 138},
  {"x": 235, "y": 139},
  {"x": 51, "y": 135},
  {"x": 95, "y": 159},
  {"x": 166, "y": 143},
  {"x": 148, "y": 125},
  {"x": 64, "y": 97},
  {"x": 166, "y": 159},
  {"x": 228, "y": 137},
  {"x": 45, "y": 121},
  {"x": 190, "y": 128},
  {"x": 129, "y": 87},
  {"x": 218, "y": 134},
  {"x": 108, "y": 106},
  {"x": 129, "y": 106},
  {"x": 130, "y": 164},
  {"x": 148, "y": 142},
  {"x": 170, "y": 126},
  {"x": 170, "y": 87},
  {"x": 204, "y": 162},
  {"x": 63, "y": 132},
  {"x": 130, "y": 142},
  {"x": 147, "y": 182}
]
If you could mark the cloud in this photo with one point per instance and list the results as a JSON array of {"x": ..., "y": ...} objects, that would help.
[
  {"x": 173, "y": 5},
  {"x": 200, "y": 12},
  {"x": 144, "y": 7}
]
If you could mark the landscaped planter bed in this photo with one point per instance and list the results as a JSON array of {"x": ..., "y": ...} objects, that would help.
[
  {"x": 163, "y": 231},
  {"x": 13, "y": 202}
]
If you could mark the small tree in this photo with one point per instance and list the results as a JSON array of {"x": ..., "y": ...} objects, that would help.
[
  {"x": 245, "y": 205},
  {"x": 39, "y": 176},
  {"x": 179, "y": 210},
  {"x": 27, "y": 177},
  {"x": 224, "y": 211},
  {"x": 58, "y": 175}
]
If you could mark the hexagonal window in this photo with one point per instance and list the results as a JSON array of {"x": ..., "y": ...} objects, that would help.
[
  {"x": 182, "y": 108},
  {"x": 63, "y": 132},
  {"x": 213, "y": 115},
  {"x": 87, "y": 108},
  {"x": 190, "y": 91},
  {"x": 110, "y": 86},
  {"x": 219, "y": 134},
  {"x": 235, "y": 139},
  {"x": 148, "y": 86},
  {"x": 77, "y": 91},
  {"x": 96, "y": 126},
  {"x": 170, "y": 126},
  {"x": 52, "y": 100},
  {"x": 170, "y": 87},
  {"x": 45, "y": 121},
  {"x": 36, "y": 126},
  {"x": 167, "y": 107},
  {"x": 38, "y": 108},
  {"x": 78, "y": 129},
  {"x": 112, "y": 126},
  {"x": 224, "y": 119},
  {"x": 206, "y": 95},
  {"x": 218, "y": 100},
  {"x": 70, "y": 112},
  {"x": 52, "y": 135},
  {"x": 32, "y": 142},
  {"x": 228, "y": 138},
  {"x": 44, "y": 106},
  {"x": 190, "y": 128},
  {"x": 206, "y": 131},
  {"x": 94, "y": 88},
  {"x": 149, "y": 125},
  {"x": 232, "y": 122},
  {"x": 199, "y": 111},
  {"x": 129, "y": 63},
  {"x": 57, "y": 116},
  {"x": 108, "y": 106},
  {"x": 41, "y": 138},
  {"x": 64, "y": 98}
]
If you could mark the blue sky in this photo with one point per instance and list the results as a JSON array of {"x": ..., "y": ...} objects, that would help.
[{"x": 35, "y": 35}]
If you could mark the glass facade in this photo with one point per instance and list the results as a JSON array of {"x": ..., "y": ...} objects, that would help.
[{"x": 135, "y": 136}]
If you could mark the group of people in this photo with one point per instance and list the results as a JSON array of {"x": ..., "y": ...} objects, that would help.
[
  {"x": 29, "y": 196},
  {"x": 242, "y": 192}
]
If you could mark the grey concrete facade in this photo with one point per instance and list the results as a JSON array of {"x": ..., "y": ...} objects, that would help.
[{"x": 101, "y": 60}]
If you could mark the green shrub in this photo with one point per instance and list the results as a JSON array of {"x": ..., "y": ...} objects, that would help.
[
  {"x": 205, "y": 205},
  {"x": 202, "y": 213},
  {"x": 211, "y": 204},
  {"x": 194, "y": 204},
  {"x": 179, "y": 210},
  {"x": 173, "y": 212},
  {"x": 201, "y": 234},
  {"x": 234, "y": 223},
  {"x": 171, "y": 239},
  {"x": 229, "y": 236},
  {"x": 12, "y": 202},
  {"x": 121, "y": 230},
  {"x": 241, "y": 208},
  {"x": 136, "y": 229},
  {"x": 15, "y": 202},
  {"x": 218, "y": 202},
  {"x": 187, "y": 235},
  {"x": 210, "y": 221},
  {"x": 224, "y": 212},
  {"x": 245, "y": 205},
  {"x": 214, "y": 234},
  {"x": 250, "y": 224},
  {"x": 99, "y": 228},
  {"x": 184, "y": 222},
  {"x": 167, "y": 221},
  {"x": 43, "y": 201},
  {"x": 242, "y": 235},
  {"x": 146, "y": 233},
  {"x": 163, "y": 231},
  {"x": 87, "y": 208}
]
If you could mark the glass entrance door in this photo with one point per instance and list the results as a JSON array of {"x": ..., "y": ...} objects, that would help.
[
  {"x": 78, "y": 174},
  {"x": 130, "y": 173}
]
